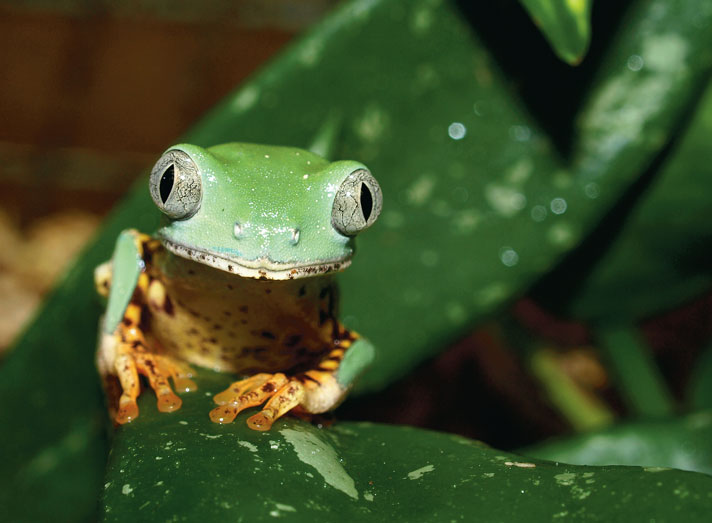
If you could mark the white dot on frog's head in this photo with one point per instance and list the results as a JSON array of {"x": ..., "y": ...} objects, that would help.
[
  {"x": 294, "y": 239},
  {"x": 237, "y": 230}
]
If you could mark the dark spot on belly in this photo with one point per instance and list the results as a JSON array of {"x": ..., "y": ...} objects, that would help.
[
  {"x": 232, "y": 334},
  {"x": 193, "y": 331},
  {"x": 217, "y": 327},
  {"x": 323, "y": 293},
  {"x": 193, "y": 313},
  {"x": 268, "y": 387},
  {"x": 292, "y": 340},
  {"x": 144, "y": 322},
  {"x": 243, "y": 308},
  {"x": 323, "y": 316},
  {"x": 227, "y": 313},
  {"x": 191, "y": 271},
  {"x": 230, "y": 287},
  {"x": 212, "y": 340},
  {"x": 244, "y": 322},
  {"x": 268, "y": 291},
  {"x": 269, "y": 335},
  {"x": 168, "y": 306},
  {"x": 302, "y": 291}
]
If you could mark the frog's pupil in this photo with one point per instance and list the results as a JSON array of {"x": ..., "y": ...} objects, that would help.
[
  {"x": 167, "y": 183},
  {"x": 366, "y": 201}
]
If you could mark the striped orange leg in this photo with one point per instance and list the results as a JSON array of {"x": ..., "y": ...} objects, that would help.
[{"x": 314, "y": 391}]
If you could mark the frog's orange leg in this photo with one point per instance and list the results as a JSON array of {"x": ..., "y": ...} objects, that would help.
[
  {"x": 246, "y": 393},
  {"x": 130, "y": 355},
  {"x": 314, "y": 391}
]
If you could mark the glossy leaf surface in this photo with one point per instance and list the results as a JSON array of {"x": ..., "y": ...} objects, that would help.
[
  {"x": 677, "y": 443},
  {"x": 182, "y": 466},
  {"x": 565, "y": 23}
]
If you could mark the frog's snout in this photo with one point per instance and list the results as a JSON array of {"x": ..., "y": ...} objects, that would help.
[{"x": 292, "y": 233}]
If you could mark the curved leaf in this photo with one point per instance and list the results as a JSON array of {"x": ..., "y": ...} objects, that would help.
[
  {"x": 478, "y": 204},
  {"x": 182, "y": 466},
  {"x": 677, "y": 443},
  {"x": 661, "y": 256},
  {"x": 565, "y": 23}
]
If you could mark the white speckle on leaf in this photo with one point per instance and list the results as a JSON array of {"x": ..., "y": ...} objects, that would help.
[
  {"x": 418, "y": 473},
  {"x": 246, "y": 98},
  {"x": 520, "y": 464},
  {"x": 420, "y": 190},
  {"x": 505, "y": 199},
  {"x": 249, "y": 446},
  {"x": 126, "y": 489}
]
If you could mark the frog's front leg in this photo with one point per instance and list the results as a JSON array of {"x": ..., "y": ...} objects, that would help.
[
  {"x": 123, "y": 351},
  {"x": 314, "y": 391}
]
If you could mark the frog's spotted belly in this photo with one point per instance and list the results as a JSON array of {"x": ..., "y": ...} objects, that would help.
[{"x": 243, "y": 325}]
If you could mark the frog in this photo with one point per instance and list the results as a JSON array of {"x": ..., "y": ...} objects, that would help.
[{"x": 238, "y": 278}]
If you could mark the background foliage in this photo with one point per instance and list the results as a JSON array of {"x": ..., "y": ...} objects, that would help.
[{"x": 502, "y": 175}]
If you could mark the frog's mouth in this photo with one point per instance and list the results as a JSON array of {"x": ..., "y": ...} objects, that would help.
[{"x": 261, "y": 269}]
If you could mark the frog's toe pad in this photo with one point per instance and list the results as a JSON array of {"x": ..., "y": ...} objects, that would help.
[{"x": 127, "y": 411}]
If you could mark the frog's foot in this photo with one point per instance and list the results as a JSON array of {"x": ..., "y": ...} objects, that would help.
[
  {"x": 127, "y": 349},
  {"x": 283, "y": 393},
  {"x": 157, "y": 369}
]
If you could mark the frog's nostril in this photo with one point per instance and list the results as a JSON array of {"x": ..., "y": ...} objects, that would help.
[
  {"x": 295, "y": 237},
  {"x": 237, "y": 230}
]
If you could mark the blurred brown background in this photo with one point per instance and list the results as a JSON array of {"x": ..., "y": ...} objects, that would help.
[{"x": 90, "y": 92}]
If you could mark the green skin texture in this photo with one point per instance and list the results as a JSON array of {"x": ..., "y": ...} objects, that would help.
[{"x": 270, "y": 191}]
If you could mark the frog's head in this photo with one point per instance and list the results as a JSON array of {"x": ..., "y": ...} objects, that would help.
[{"x": 262, "y": 211}]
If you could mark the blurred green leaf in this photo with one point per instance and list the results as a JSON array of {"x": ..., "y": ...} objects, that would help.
[
  {"x": 478, "y": 204},
  {"x": 678, "y": 443},
  {"x": 700, "y": 389},
  {"x": 565, "y": 23},
  {"x": 182, "y": 466},
  {"x": 662, "y": 254}
]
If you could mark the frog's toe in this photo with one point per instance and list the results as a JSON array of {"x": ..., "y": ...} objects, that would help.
[
  {"x": 127, "y": 411},
  {"x": 233, "y": 392},
  {"x": 284, "y": 400},
  {"x": 168, "y": 402},
  {"x": 247, "y": 393}
]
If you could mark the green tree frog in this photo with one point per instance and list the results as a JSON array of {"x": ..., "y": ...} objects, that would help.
[{"x": 238, "y": 278}]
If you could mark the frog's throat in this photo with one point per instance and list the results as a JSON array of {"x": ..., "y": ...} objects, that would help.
[{"x": 261, "y": 269}]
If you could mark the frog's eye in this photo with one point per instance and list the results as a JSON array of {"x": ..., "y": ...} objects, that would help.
[
  {"x": 175, "y": 185},
  {"x": 357, "y": 203}
]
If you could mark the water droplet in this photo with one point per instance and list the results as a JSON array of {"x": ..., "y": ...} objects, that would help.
[
  {"x": 456, "y": 131},
  {"x": 592, "y": 190},
  {"x": 538, "y": 213},
  {"x": 508, "y": 256},
  {"x": 558, "y": 206},
  {"x": 479, "y": 108},
  {"x": 635, "y": 62}
]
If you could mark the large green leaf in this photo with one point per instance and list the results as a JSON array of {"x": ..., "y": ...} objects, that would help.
[
  {"x": 478, "y": 204},
  {"x": 182, "y": 466},
  {"x": 679, "y": 443},
  {"x": 566, "y": 24},
  {"x": 661, "y": 255}
]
